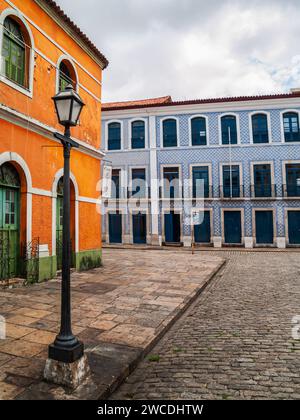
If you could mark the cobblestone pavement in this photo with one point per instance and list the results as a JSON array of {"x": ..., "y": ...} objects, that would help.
[
  {"x": 118, "y": 311},
  {"x": 235, "y": 342}
]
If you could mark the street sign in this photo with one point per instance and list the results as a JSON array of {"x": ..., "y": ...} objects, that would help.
[
  {"x": 107, "y": 181},
  {"x": 197, "y": 218}
]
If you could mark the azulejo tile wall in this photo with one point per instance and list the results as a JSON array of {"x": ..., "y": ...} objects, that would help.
[{"x": 276, "y": 152}]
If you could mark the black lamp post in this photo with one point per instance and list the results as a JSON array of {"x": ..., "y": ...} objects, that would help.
[{"x": 66, "y": 348}]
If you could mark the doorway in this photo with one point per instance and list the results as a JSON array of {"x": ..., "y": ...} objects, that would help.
[
  {"x": 10, "y": 187},
  {"x": 115, "y": 228},
  {"x": 172, "y": 228},
  {"x": 264, "y": 227},
  {"x": 232, "y": 227},
  {"x": 139, "y": 228}
]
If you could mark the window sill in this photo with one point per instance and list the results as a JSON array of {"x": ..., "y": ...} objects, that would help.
[{"x": 10, "y": 83}]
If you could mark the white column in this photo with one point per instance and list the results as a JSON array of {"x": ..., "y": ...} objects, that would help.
[{"x": 154, "y": 181}]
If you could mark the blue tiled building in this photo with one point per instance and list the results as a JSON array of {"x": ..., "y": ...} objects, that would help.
[{"x": 245, "y": 152}]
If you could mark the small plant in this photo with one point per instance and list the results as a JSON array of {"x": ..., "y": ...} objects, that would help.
[
  {"x": 225, "y": 397},
  {"x": 88, "y": 263},
  {"x": 177, "y": 350},
  {"x": 154, "y": 358}
]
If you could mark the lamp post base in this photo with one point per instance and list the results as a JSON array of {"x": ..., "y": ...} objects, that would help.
[
  {"x": 70, "y": 375},
  {"x": 66, "y": 354}
]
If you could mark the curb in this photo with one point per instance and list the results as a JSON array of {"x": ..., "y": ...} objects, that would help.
[{"x": 199, "y": 249}]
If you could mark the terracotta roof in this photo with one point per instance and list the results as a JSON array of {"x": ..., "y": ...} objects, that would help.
[
  {"x": 136, "y": 104},
  {"x": 52, "y": 4},
  {"x": 152, "y": 103}
]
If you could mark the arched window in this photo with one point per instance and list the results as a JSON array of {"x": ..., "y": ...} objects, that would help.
[
  {"x": 138, "y": 135},
  {"x": 15, "y": 54},
  {"x": 170, "y": 133},
  {"x": 260, "y": 130},
  {"x": 229, "y": 129},
  {"x": 67, "y": 75},
  {"x": 114, "y": 136},
  {"x": 199, "y": 136},
  {"x": 291, "y": 126}
]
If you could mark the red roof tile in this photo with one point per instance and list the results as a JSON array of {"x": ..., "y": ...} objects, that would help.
[
  {"x": 152, "y": 103},
  {"x": 136, "y": 104},
  {"x": 52, "y": 4}
]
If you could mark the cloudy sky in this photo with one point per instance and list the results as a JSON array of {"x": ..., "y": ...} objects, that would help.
[{"x": 193, "y": 48}]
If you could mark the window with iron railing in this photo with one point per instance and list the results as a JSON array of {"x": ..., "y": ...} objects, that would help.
[
  {"x": 138, "y": 184},
  {"x": 171, "y": 183},
  {"x": 262, "y": 187},
  {"x": 116, "y": 184},
  {"x": 231, "y": 181},
  {"x": 201, "y": 187},
  {"x": 292, "y": 180}
]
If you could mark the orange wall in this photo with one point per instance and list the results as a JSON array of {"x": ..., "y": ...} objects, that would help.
[
  {"x": 41, "y": 106},
  {"x": 43, "y": 156}
]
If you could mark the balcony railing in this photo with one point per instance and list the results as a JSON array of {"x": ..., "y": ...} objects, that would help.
[
  {"x": 139, "y": 194},
  {"x": 231, "y": 192},
  {"x": 264, "y": 191},
  {"x": 291, "y": 191}
]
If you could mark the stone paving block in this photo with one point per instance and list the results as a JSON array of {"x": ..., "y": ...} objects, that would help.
[
  {"x": 41, "y": 337},
  {"x": 111, "y": 314},
  {"x": 33, "y": 313},
  {"x": 9, "y": 391},
  {"x": 17, "y": 331},
  {"x": 21, "y": 348},
  {"x": 21, "y": 320}
]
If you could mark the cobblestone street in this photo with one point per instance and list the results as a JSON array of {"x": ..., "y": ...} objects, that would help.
[{"x": 235, "y": 342}]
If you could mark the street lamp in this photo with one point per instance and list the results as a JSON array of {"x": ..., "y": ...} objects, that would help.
[{"x": 66, "y": 348}]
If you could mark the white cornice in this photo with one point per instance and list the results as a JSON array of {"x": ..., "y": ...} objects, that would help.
[
  {"x": 264, "y": 104},
  {"x": 28, "y": 123},
  {"x": 69, "y": 31}
]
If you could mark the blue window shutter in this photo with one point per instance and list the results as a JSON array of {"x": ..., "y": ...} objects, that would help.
[
  {"x": 260, "y": 128},
  {"x": 201, "y": 173},
  {"x": 231, "y": 181},
  {"x": 199, "y": 136},
  {"x": 114, "y": 136},
  {"x": 228, "y": 124},
  {"x": 262, "y": 181},
  {"x": 291, "y": 127},
  {"x": 138, "y": 135},
  {"x": 170, "y": 133}
]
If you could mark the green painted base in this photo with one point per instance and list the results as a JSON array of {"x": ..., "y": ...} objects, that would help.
[
  {"x": 87, "y": 260},
  {"x": 84, "y": 261}
]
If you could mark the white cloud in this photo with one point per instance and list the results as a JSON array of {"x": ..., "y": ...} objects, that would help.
[{"x": 193, "y": 48}]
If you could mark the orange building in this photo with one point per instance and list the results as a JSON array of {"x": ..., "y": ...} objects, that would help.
[{"x": 42, "y": 51}]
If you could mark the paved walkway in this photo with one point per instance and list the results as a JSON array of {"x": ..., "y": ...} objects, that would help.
[
  {"x": 235, "y": 342},
  {"x": 119, "y": 311}
]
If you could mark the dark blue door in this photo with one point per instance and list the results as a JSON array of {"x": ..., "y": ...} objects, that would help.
[
  {"x": 233, "y": 227},
  {"x": 294, "y": 227},
  {"x": 139, "y": 223},
  {"x": 172, "y": 228},
  {"x": 202, "y": 232},
  {"x": 115, "y": 228},
  {"x": 264, "y": 227}
]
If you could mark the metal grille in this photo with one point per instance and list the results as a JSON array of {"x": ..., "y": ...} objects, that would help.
[
  {"x": 31, "y": 261},
  {"x": 4, "y": 256}
]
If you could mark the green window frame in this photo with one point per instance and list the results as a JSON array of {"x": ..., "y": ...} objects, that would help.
[
  {"x": 65, "y": 77},
  {"x": 13, "y": 52}
]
